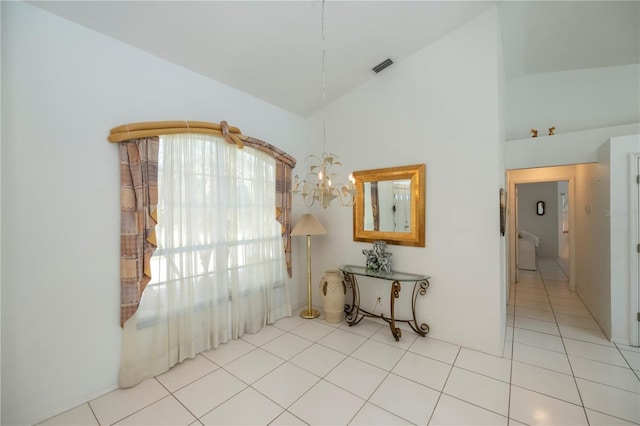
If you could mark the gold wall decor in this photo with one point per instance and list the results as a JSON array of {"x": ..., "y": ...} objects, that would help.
[{"x": 390, "y": 205}]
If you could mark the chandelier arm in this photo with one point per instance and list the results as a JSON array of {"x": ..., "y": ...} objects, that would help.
[{"x": 346, "y": 200}]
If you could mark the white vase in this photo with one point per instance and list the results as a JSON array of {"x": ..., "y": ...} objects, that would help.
[{"x": 333, "y": 291}]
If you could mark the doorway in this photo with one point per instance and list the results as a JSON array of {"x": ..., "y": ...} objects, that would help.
[
  {"x": 559, "y": 212},
  {"x": 542, "y": 226}
]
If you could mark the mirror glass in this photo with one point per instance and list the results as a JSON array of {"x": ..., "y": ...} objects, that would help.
[
  {"x": 387, "y": 206},
  {"x": 390, "y": 205}
]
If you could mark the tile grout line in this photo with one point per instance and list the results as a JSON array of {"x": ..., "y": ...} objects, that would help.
[
  {"x": 247, "y": 385},
  {"x": 146, "y": 406},
  {"x": 563, "y": 339},
  {"x": 93, "y": 412},
  {"x": 285, "y": 361},
  {"x": 515, "y": 308},
  {"x": 350, "y": 355},
  {"x": 575, "y": 380},
  {"x": 560, "y": 336},
  {"x": 379, "y": 384},
  {"x": 322, "y": 378},
  {"x": 185, "y": 407},
  {"x": 435, "y": 406},
  {"x": 636, "y": 373},
  {"x": 513, "y": 337}
]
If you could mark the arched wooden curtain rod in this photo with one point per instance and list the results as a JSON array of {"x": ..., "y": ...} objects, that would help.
[{"x": 156, "y": 128}]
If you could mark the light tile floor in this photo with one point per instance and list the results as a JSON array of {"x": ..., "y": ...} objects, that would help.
[{"x": 558, "y": 369}]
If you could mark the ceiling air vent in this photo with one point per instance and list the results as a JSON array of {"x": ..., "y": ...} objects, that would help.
[{"x": 382, "y": 65}]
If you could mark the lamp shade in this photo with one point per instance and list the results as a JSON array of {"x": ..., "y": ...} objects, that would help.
[{"x": 308, "y": 225}]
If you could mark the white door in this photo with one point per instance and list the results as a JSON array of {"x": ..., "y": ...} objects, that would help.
[{"x": 637, "y": 215}]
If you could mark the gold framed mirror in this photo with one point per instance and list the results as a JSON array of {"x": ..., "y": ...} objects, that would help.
[{"x": 390, "y": 205}]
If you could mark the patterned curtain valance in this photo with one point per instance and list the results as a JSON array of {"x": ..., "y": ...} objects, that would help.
[{"x": 276, "y": 153}]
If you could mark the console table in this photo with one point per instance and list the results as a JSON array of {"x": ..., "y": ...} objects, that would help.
[{"x": 355, "y": 314}]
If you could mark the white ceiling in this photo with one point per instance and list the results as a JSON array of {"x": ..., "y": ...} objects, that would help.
[{"x": 272, "y": 49}]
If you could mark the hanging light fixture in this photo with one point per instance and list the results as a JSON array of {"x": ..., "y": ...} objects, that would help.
[{"x": 322, "y": 185}]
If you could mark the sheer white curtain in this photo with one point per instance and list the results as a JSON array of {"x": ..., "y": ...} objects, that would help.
[{"x": 219, "y": 270}]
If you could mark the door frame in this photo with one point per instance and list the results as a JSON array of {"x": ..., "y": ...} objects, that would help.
[
  {"x": 542, "y": 174},
  {"x": 634, "y": 256},
  {"x": 515, "y": 221}
]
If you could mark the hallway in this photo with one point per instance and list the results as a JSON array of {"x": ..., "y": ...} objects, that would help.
[{"x": 558, "y": 350}]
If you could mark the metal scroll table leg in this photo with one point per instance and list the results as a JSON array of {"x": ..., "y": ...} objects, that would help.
[
  {"x": 395, "y": 293},
  {"x": 353, "y": 311},
  {"x": 419, "y": 289}
]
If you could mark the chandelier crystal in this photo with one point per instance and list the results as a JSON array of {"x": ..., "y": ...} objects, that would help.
[{"x": 321, "y": 184}]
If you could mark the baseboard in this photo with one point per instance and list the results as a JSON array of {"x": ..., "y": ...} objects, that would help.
[
  {"x": 85, "y": 399},
  {"x": 625, "y": 342}
]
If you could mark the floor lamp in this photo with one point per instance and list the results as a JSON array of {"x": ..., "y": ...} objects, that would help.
[{"x": 308, "y": 225}]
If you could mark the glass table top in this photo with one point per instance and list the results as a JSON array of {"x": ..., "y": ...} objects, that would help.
[{"x": 391, "y": 276}]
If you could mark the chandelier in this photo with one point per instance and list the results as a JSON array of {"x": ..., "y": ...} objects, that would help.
[{"x": 322, "y": 185}]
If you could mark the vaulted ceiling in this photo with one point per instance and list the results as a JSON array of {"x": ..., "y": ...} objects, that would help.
[{"x": 273, "y": 49}]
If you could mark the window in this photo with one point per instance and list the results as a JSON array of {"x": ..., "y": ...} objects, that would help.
[{"x": 219, "y": 270}]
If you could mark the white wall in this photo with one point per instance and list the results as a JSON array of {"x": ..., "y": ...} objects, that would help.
[
  {"x": 545, "y": 226},
  {"x": 64, "y": 87},
  {"x": 619, "y": 213},
  {"x": 563, "y": 149},
  {"x": 438, "y": 107},
  {"x": 0, "y": 215},
  {"x": 502, "y": 177},
  {"x": 593, "y": 266},
  {"x": 573, "y": 100}
]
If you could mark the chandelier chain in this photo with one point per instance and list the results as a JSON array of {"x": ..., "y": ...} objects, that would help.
[
  {"x": 322, "y": 185},
  {"x": 324, "y": 83}
]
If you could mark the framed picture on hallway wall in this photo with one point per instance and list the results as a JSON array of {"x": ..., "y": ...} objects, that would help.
[{"x": 503, "y": 210}]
